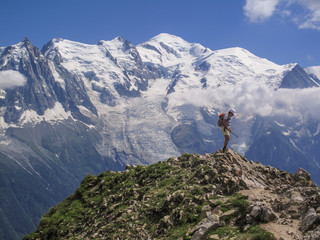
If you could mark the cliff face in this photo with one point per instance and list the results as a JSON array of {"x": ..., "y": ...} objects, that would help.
[{"x": 209, "y": 196}]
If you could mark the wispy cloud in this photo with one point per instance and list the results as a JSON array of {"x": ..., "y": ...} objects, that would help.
[
  {"x": 312, "y": 18},
  {"x": 10, "y": 79},
  {"x": 249, "y": 97},
  {"x": 305, "y": 13}
]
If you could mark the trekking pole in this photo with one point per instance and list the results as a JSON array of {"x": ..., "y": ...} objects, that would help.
[{"x": 234, "y": 134}]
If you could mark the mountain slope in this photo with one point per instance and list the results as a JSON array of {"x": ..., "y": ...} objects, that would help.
[
  {"x": 43, "y": 148},
  {"x": 314, "y": 73},
  {"x": 84, "y": 109},
  {"x": 189, "y": 197},
  {"x": 55, "y": 159},
  {"x": 294, "y": 77}
]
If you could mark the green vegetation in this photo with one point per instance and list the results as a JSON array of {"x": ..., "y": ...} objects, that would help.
[
  {"x": 233, "y": 232},
  {"x": 161, "y": 201}
]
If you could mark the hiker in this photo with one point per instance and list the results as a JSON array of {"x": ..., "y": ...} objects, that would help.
[{"x": 224, "y": 123}]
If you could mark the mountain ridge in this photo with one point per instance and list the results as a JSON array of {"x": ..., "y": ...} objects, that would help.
[{"x": 189, "y": 197}]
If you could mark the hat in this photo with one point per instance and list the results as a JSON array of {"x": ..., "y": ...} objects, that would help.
[{"x": 233, "y": 111}]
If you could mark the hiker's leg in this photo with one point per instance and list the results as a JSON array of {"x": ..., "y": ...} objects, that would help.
[{"x": 226, "y": 137}]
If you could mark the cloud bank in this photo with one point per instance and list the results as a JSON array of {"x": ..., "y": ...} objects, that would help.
[
  {"x": 10, "y": 79},
  {"x": 305, "y": 13},
  {"x": 251, "y": 98}
]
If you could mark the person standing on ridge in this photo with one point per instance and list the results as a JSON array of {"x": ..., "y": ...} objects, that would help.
[{"x": 224, "y": 123}]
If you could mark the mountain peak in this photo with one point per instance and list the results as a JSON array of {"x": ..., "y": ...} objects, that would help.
[
  {"x": 166, "y": 36},
  {"x": 119, "y": 38},
  {"x": 118, "y": 43},
  {"x": 26, "y": 40},
  {"x": 27, "y": 43},
  {"x": 314, "y": 73},
  {"x": 189, "y": 196},
  {"x": 51, "y": 44},
  {"x": 168, "y": 39},
  {"x": 116, "y": 39}
]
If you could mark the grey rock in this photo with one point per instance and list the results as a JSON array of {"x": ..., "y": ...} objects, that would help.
[
  {"x": 255, "y": 212},
  {"x": 260, "y": 213},
  {"x": 201, "y": 230},
  {"x": 267, "y": 215},
  {"x": 205, "y": 211},
  {"x": 309, "y": 219}
]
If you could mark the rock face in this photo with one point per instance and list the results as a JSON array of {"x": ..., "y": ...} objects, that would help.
[{"x": 190, "y": 197}]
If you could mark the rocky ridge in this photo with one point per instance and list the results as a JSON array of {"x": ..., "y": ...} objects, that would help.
[{"x": 210, "y": 196}]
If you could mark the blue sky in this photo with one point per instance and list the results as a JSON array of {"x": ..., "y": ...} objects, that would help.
[{"x": 283, "y": 31}]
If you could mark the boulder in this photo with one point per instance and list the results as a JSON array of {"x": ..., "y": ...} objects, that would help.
[
  {"x": 309, "y": 220},
  {"x": 201, "y": 230},
  {"x": 255, "y": 212},
  {"x": 259, "y": 212},
  {"x": 267, "y": 215}
]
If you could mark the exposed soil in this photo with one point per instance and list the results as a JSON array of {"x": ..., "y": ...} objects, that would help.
[{"x": 282, "y": 228}]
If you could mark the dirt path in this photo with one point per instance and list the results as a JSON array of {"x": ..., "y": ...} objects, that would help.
[{"x": 282, "y": 228}]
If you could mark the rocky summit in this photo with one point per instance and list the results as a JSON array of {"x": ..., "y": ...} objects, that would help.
[{"x": 210, "y": 196}]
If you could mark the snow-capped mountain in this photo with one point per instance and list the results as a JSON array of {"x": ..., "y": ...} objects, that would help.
[
  {"x": 314, "y": 73},
  {"x": 213, "y": 67},
  {"x": 83, "y": 109}
]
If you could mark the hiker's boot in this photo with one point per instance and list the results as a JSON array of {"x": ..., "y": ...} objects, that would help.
[{"x": 224, "y": 149}]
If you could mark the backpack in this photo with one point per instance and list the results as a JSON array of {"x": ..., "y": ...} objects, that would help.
[{"x": 220, "y": 120}]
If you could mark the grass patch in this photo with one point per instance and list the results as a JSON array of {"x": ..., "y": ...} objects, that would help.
[
  {"x": 260, "y": 234},
  {"x": 230, "y": 231},
  {"x": 226, "y": 231}
]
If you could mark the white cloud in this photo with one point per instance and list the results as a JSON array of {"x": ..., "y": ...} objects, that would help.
[
  {"x": 312, "y": 18},
  {"x": 10, "y": 79},
  {"x": 259, "y": 10},
  {"x": 305, "y": 13},
  {"x": 249, "y": 97}
]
